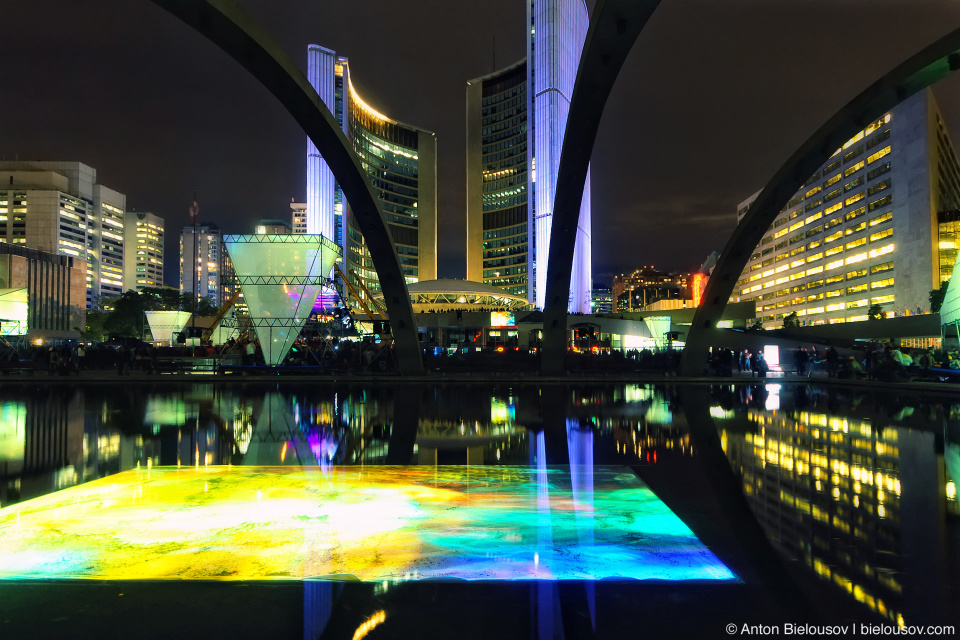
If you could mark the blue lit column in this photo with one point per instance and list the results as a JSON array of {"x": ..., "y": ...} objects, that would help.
[
  {"x": 558, "y": 29},
  {"x": 320, "y": 183}
]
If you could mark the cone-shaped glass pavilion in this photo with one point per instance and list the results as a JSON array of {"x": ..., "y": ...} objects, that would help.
[
  {"x": 165, "y": 324},
  {"x": 280, "y": 276}
]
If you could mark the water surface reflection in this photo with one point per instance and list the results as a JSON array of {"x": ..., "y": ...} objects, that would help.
[{"x": 854, "y": 488}]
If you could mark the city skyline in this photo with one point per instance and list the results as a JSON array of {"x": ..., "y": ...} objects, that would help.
[{"x": 689, "y": 132}]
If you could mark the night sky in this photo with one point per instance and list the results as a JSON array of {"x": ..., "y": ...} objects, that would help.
[{"x": 715, "y": 96}]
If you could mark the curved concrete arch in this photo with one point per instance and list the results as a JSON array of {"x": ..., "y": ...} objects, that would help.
[
  {"x": 925, "y": 68},
  {"x": 241, "y": 37},
  {"x": 614, "y": 27}
]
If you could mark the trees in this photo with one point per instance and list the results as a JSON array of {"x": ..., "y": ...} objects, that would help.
[
  {"x": 126, "y": 319},
  {"x": 875, "y": 312},
  {"x": 937, "y": 296},
  {"x": 791, "y": 321},
  {"x": 755, "y": 325},
  {"x": 123, "y": 316}
]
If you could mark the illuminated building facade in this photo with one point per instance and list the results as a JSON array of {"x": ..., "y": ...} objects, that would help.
[
  {"x": 516, "y": 119},
  {"x": 401, "y": 162},
  {"x": 214, "y": 278},
  {"x": 865, "y": 228},
  {"x": 602, "y": 300},
  {"x": 58, "y": 207},
  {"x": 498, "y": 246},
  {"x": 143, "y": 261},
  {"x": 633, "y": 291},
  {"x": 298, "y": 217},
  {"x": 42, "y": 295}
]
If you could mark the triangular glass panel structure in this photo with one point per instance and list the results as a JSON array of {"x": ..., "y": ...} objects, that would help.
[
  {"x": 950, "y": 310},
  {"x": 658, "y": 326},
  {"x": 164, "y": 324},
  {"x": 280, "y": 276}
]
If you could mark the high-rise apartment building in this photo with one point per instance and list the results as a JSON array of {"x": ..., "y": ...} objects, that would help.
[
  {"x": 516, "y": 118},
  {"x": 866, "y": 227},
  {"x": 401, "y": 161},
  {"x": 59, "y": 207},
  {"x": 143, "y": 260},
  {"x": 205, "y": 266}
]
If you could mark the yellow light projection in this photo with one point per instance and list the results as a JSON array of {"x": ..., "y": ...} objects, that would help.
[{"x": 371, "y": 524}]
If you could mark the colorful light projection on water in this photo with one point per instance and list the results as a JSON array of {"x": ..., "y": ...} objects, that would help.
[{"x": 372, "y": 524}]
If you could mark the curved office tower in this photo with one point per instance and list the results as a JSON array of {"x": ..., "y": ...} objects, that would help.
[
  {"x": 401, "y": 162},
  {"x": 498, "y": 248},
  {"x": 516, "y": 118}
]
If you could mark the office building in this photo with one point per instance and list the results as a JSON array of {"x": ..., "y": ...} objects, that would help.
[
  {"x": 634, "y": 291},
  {"x": 205, "y": 266},
  {"x": 516, "y": 119},
  {"x": 298, "y": 217},
  {"x": 866, "y": 227},
  {"x": 401, "y": 161},
  {"x": 602, "y": 300},
  {"x": 143, "y": 260},
  {"x": 58, "y": 207}
]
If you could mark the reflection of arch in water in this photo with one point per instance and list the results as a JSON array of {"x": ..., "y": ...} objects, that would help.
[
  {"x": 922, "y": 70},
  {"x": 237, "y": 34}
]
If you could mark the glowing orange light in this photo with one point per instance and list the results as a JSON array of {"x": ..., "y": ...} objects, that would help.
[
  {"x": 499, "y": 349},
  {"x": 697, "y": 284}
]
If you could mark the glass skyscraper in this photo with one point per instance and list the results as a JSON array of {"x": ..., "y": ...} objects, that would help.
[{"x": 516, "y": 118}]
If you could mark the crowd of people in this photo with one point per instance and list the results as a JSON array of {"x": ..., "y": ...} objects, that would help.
[{"x": 885, "y": 361}]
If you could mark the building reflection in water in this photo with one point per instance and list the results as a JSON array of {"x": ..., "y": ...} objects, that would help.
[
  {"x": 50, "y": 440},
  {"x": 857, "y": 498}
]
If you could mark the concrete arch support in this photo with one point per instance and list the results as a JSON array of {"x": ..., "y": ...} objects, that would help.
[
  {"x": 614, "y": 27},
  {"x": 237, "y": 34},
  {"x": 922, "y": 70}
]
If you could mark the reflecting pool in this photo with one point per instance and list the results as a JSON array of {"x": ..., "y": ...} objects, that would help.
[{"x": 390, "y": 510}]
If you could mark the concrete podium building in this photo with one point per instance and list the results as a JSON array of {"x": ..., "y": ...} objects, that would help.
[{"x": 516, "y": 118}]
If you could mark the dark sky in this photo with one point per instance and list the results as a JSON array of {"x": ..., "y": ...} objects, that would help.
[{"x": 715, "y": 96}]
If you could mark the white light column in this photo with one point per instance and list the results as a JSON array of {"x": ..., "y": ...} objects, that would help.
[
  {"x": 320, "y": 182},
  {"x": 558, "y": 29}
]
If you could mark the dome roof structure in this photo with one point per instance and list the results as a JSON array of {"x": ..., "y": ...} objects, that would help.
[{"x": 447, "y": 295}]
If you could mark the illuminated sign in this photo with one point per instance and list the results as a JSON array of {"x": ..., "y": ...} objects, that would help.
[
  {"x": 502, "y": 319},
  {"x": 697, "y": 284}
]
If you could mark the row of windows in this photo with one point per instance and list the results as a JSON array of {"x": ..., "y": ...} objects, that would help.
[
  {"x": 862, "y": 272},
  {"x": 814, "y": 270},
  {"x": 505, "y": 272},
  {"x": 506, "y": 233},
  {"x": 847, "y": 157},
  {"x": 830, "y": 223}
]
